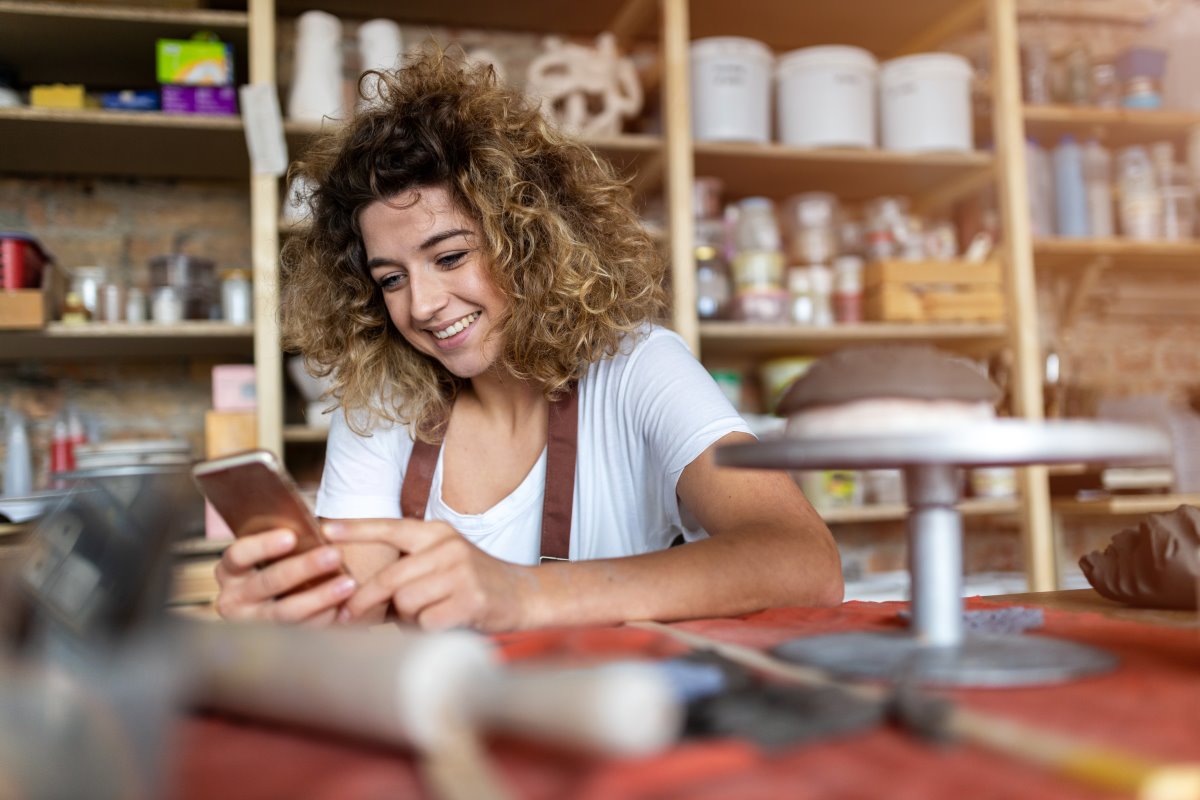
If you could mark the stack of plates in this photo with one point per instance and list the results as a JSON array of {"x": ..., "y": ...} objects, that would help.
[{"x": 133, "y": 453}]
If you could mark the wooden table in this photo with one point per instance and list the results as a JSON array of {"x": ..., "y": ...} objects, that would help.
[
  {"x": 1088, "y": 600},
  {"x": 1149, "y": 707}
]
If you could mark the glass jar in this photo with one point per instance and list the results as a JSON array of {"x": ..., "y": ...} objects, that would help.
[
  {"x": 714, "y": 286},
  {"x": 237, "y": 299},
  {"x": 811, "y": 221}
]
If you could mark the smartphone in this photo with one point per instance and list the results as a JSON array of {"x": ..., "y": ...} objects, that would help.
[{"x": 253, "y": 493}]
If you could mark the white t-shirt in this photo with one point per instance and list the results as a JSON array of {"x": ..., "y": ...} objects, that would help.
[{"x": 644, "y": 415}]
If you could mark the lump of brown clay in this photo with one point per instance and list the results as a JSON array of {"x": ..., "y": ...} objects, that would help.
[
  {"x": 917, "y": 372},
  {"x": 1156, "y": 565}
]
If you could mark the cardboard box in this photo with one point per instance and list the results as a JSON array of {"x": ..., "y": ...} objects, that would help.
[
  {"x": 58, "y": 95},
  {"x": 23, "y": 309},
  {"x": 194, "y": 62},
  {"x": 219, "y": 100}
]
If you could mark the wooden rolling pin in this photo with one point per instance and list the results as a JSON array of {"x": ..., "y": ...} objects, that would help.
[{"x": 407, "y": 687}]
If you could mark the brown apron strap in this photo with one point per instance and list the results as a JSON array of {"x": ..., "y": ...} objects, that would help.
[
  {"x": 559, "y": 496},
  {"x": 418, "y": 477},
  {"x": 561, "y": 439}
]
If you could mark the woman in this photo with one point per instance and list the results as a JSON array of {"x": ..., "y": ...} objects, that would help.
[{"x": 482, "y": 293}]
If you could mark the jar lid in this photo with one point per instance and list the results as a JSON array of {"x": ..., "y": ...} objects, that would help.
[
  {"x": 924, "y": 64},
  {"x": 735, "y": 46},
  {"x": 829, "y": 55}
]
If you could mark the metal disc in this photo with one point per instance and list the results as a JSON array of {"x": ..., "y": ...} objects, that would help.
[{"x": 982, "y": 661}]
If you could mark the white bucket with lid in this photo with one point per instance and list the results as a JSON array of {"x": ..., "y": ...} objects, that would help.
[
  {"x": 925, "y": 103},
  {"x": 731, "y": 89},
  {"x": 826, "y": 97}
]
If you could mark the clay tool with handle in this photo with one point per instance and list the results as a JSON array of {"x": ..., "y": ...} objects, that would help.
[{"x": 1098, "y": 766}]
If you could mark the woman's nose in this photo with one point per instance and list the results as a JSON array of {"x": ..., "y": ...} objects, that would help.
[{"x": 427, "y": 294}]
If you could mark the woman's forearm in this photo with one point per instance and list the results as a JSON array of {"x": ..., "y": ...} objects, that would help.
[{"x": 738, "y": 572}]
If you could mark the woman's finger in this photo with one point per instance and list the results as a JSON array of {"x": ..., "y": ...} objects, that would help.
[
  {"x": 288, "y": 574},
  {"x": 310, "y": 605},
  {"x": 405, "y": 535},
  {"x": 247, "y": 553},
  {"x": 381, "y": 588}
]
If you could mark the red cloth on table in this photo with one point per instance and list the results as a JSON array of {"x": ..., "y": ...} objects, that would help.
[{"x": 1149, "y": 706}]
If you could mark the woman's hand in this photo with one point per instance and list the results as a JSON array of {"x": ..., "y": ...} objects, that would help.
[
  {"x": 259, "y": 576},
  {"x": 441, "y": 580}
]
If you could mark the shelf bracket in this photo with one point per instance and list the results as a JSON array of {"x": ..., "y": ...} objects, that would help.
[
  {"x": 632, "y": 19},
  {"x": 964, "y": 16},
  {"x": 649, "y": 174},
  {"x": 954, "y": 190},
  {"x": 1079, "y": 290}
]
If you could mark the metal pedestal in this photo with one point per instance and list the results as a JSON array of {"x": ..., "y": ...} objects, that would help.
[{"x": 935, "y": 650}]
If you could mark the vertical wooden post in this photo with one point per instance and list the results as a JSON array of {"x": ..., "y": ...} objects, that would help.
[
  {"x": 677, "y": 128},
  {"x": 1009, "y": 133},
  {"x": 264, "y": 244}
]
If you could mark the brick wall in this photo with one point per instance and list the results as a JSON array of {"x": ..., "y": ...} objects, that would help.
[{"x": 121, "y": 224}]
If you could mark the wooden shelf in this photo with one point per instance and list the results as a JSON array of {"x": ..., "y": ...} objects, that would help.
[
  {"x": 631, "y": 153},
  {"x": 739, "y": 339},
  {"x": 884, "y": 27},
  {"x": 778, "y": 171},
  {"x": 1119, "y": 253},
  {"x": 305, "y": 434},
  {"x": 127, "y": 341},
  {"x": 889, "y": 513},
  {"x": 538, "y": 16},
  {"x": 97, "y": 142},
  {"x": 1115, "y": 127},
  {"x": 1120, "y": 505},
  {"x": 105, "y": 47}
]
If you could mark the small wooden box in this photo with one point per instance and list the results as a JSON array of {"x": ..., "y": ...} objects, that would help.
[
  {"x": 23, "y": 309},
  {"x": 933, "y": 291}
]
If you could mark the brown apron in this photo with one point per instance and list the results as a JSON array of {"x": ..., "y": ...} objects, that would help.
[{"x": 562, "y": 433}]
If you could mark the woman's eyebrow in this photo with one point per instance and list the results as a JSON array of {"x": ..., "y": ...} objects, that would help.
[{"x": 438, "y": 238}]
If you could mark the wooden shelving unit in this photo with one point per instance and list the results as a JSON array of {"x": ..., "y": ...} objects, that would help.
[
  {"x": 1113, "y": 127},
  {"x": 778, "y": 171},
  {"x": 736, "y": 338},
  {"x": 118, "y": 341},
  {"x": 977, "y": 507},
  {"x": 1117, "y": 253},
  {"x": 101, "y": 142},
  {"x": 1124, "y": 505}
]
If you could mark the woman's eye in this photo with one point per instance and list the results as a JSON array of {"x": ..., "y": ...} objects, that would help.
[
  {"x": 393, "y": 281},
  {"x": 451, "y": 259}
]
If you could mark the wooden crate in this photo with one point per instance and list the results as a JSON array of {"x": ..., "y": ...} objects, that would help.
[{"x": 933, "y": 291}]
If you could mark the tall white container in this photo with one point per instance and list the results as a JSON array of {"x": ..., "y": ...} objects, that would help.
[
  {"x": 731, "y": 89},
  {"x": 826, "y": 97},
  {"x": 925, "y": 103},
  {"x": 317, "y": 78}
]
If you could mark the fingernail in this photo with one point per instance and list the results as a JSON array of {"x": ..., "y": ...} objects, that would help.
[
  {"x": 285, "y": 539},
  {"x": 333, "y": 529},
  {"x": 344, "y": 587},
  {"x": 329, "y": 557}
]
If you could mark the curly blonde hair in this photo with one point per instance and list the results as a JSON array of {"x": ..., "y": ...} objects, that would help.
[{"x": 559, "y": 228}]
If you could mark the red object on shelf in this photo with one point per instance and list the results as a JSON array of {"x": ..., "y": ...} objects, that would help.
[{"x": 22, "y": 259}]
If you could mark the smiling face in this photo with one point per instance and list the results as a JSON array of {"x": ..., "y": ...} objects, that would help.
[{"x": 427, "y": 258}]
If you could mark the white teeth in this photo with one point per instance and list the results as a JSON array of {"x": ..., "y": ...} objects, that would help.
[{"x": 457, "y": 327}]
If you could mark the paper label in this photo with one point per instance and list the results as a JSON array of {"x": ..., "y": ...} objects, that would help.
[{"x": 264, "y": 129}]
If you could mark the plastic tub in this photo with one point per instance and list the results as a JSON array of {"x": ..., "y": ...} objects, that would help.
[
  {"x": 826, "y": 97},
  {"x": 731, "y": 89},
  {"x": 925, "y": 103}
]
